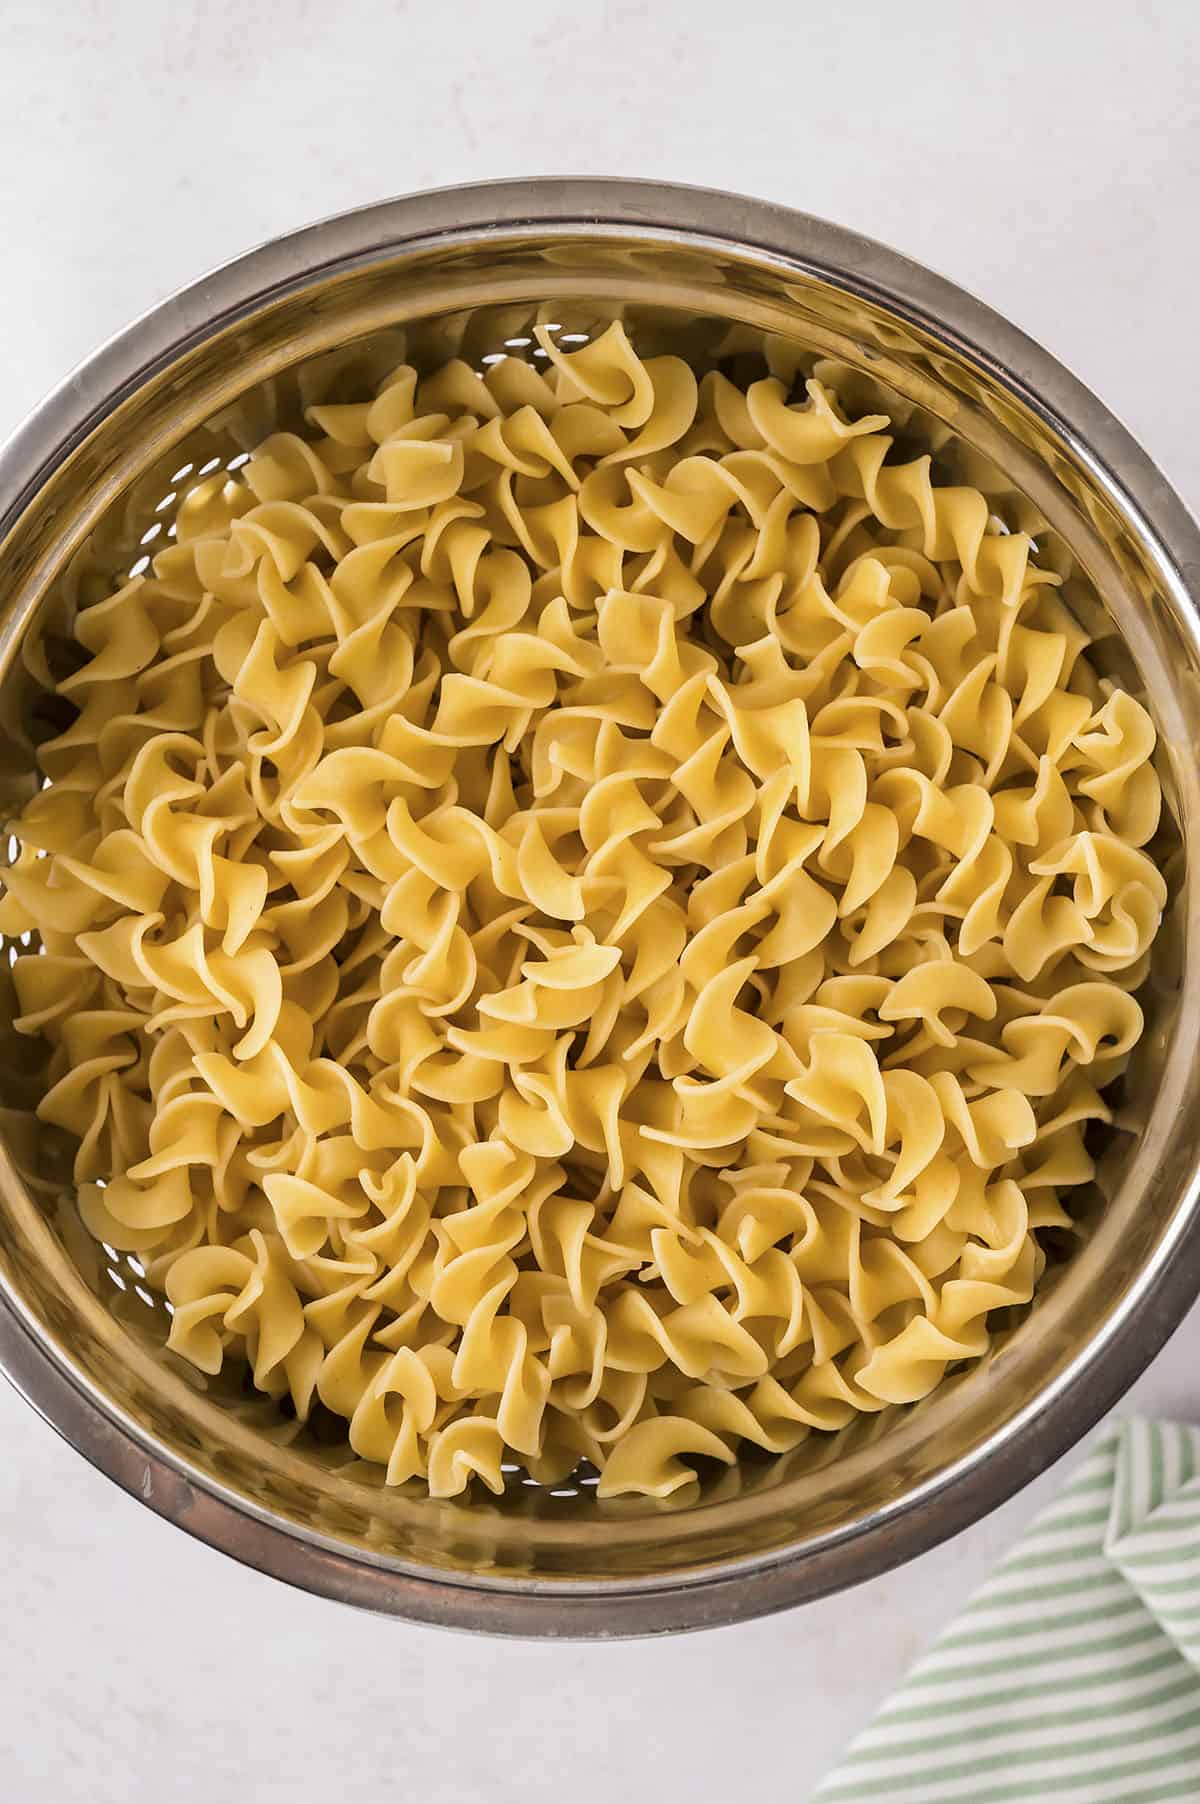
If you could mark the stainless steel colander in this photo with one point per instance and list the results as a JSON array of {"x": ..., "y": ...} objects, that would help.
[{"x": 88, "y": 488}]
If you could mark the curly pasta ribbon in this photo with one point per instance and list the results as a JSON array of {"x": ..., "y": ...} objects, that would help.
[{"x": 586, "y": 914}]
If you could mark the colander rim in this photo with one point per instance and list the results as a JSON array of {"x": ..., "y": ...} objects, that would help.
[{"x": 1053, "y": 1419}]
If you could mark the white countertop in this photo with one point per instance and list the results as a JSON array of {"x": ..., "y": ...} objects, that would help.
[{"x": 1049, "y": 160}]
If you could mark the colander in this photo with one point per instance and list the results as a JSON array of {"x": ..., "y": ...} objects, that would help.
[{"x": 88, "y": 489}]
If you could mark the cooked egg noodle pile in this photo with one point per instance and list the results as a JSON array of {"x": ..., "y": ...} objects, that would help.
[{"x": 585, "y": 914}]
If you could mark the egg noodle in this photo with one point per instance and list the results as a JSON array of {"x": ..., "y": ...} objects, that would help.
[{"x": 585, "y": 913}]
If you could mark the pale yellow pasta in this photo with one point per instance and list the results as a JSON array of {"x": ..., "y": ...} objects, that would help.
[{"x": 586, "y": 913}]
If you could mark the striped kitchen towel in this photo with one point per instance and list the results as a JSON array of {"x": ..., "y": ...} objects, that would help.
[{"x": 1074, "y": 1673}]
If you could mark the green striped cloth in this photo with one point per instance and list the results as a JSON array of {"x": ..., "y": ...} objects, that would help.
[{"x": 1074, "y": 1673}]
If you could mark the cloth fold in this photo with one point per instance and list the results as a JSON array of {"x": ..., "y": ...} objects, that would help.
[{"x": 1074, "y": 1672}]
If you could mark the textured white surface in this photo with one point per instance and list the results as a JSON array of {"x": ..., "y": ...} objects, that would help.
[{"x": 1046, "y": 156}]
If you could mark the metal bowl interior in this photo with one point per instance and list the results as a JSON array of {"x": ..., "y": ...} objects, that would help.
[{"x": 88, "y": 486}]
